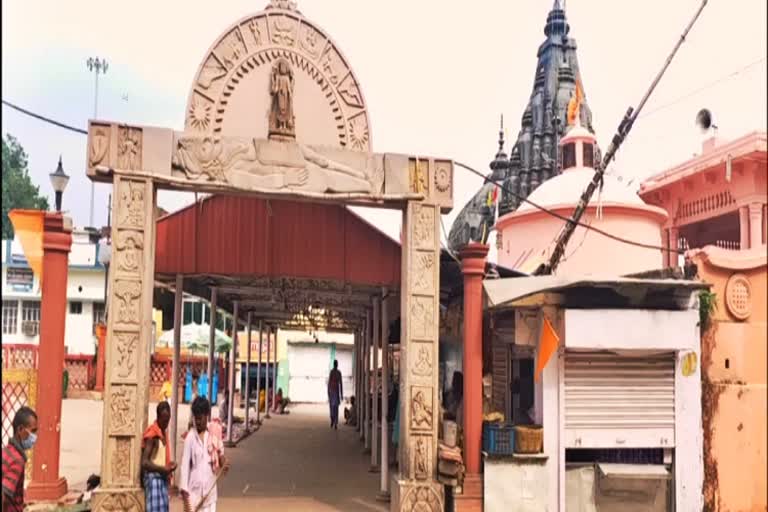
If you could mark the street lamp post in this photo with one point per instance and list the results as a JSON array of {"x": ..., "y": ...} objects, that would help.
[
  {"x": 59, "y": 180},
  {"x": 98, "y": 66}
]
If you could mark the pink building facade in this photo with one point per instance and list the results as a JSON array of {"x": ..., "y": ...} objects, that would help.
[
  {"x": 717, "y": 208},
  {"x": 717, "y": 198}
]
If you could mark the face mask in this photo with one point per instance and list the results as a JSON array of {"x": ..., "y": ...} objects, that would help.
[{"x": 29, "y": 442}]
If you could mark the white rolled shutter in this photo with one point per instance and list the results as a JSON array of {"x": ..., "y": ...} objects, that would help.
[{"x": 614, "y": 401}]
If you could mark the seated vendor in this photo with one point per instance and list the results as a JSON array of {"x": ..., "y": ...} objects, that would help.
[
  {"x": 280, "y": 402},
  {"x": 350, "y": 413}
]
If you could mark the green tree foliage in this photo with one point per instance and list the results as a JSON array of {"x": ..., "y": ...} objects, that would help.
[{"x": 18, "y": 189}]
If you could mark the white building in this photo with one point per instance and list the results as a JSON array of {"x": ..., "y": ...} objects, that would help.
[{"x": 85, "y": 295}]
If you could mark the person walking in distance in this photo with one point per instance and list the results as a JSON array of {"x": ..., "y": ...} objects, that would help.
[{"x": 335, "y": 393}]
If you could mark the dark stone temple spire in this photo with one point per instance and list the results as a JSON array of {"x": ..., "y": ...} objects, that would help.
[
  {"x": 545, "y": 119},
  {"x": 534, "y": 155}
]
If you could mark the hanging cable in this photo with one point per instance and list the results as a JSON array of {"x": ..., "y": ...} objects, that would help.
[{"x": 45, "y": 119}]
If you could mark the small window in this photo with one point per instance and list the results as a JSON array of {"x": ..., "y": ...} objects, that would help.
[
  {"x": 589, "y": 155},
  {"x": 10, "y": 316},
  {"x": 569, "y": 156},
  {"x": 75, "y": 308}
]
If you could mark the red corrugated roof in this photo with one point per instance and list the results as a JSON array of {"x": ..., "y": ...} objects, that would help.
[{"x": 246, "y": 236}]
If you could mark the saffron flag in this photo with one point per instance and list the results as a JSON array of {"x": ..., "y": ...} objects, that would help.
[
  {"x": 548, "y": 342},
  {"x": 28, "y": 225},
  {"x": 575, "y": 104}
]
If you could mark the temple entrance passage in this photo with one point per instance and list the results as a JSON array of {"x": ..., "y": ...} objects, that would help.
[{"x": 276, "y": 127}]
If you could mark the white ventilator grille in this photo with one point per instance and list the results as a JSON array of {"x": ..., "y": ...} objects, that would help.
[{"x": 616, "y": 401}]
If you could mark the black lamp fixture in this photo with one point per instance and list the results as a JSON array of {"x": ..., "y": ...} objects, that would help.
[{"x": 59, "y": 180}]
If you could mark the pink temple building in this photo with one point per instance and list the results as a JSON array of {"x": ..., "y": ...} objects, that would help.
[{"x": 528, "y": 233}]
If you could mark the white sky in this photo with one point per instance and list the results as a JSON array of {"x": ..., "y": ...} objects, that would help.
[{"x": 436, "y": 74}]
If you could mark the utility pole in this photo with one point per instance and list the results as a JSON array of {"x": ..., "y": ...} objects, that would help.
[
  {"x": 624, "y": 127},
  {"x": 98, "y": 66}
]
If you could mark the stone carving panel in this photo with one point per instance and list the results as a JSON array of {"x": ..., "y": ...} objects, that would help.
[
  {"x": 422, "y": 318},
  {"x": 444, "y": 182},
  {"x": 311, "y": 41},
  {"x": 122, "y": 410},
  {"x": 419, "y": 176},
  {"x": 99, "y": 138},
  {"x": 200, "y": 112},
  {"x": 283, "y": 30},
  {"x": 231, "y": 50},
  {"x": 359, "y": 137},
  {"x": 129, "y": 254},
  {"x": 423, "y": 269},
  {"x": 424, "y": 227},
  {"x": 422, "y": 408},
  {"x": 121, "y": 461},
  {"x": 333, "y": 66},
  {"x": 252, "y": 45},
  {"x": 127, "y": 295},
  {"x": 213, "y": 71},
  {"x": 282, "y": 122},
  {"x": 131, "y": 207},
  {"x": 126, "y": 345},
  {"x": 421, "y": 450},
  {"x": 421, "y": 499},
  {"x": 255, "y": 33},
  {"x": 118, "y": 502},
  {"x": 129, "y": 148},
  {"x": 423, "y": 362},
  {"x": 263, "y": 165}
]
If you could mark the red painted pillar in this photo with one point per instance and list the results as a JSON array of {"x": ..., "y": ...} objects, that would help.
[
  {"x": 473, "y": 267},
  {"x": 101, "y": 335},
  {"x": 46, "y": 483}
]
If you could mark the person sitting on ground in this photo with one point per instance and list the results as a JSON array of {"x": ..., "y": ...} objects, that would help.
[
  {"x": 156, "y": 465},
  {"x": 280, "y": 402},
  {"x": 350, "y": 413},
  {"x": 15, "y": 457}
]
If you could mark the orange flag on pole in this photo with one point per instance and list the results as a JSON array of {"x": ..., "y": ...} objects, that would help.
[
  {"x": 28, "y": 226},
  {"x": 548, "y": 342}
]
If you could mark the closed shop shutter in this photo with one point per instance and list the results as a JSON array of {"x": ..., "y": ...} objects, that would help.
[{"x": 614, "y": 401}]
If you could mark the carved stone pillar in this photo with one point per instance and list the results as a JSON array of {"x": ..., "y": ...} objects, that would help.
[
  {"x": 415, "y": 487},
  {"x": 129, "y": 329}
]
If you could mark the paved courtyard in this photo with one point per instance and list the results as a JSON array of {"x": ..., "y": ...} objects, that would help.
[{"x": 293, "y": 463}]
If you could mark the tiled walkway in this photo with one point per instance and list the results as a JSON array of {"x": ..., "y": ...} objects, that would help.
[{"x": 297, "y": 463}]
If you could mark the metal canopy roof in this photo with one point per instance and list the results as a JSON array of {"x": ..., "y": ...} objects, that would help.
[{"x": 593, "y": 291}]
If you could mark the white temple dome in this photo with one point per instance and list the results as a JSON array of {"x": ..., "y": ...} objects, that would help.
[{"x": 566, "y": 189}]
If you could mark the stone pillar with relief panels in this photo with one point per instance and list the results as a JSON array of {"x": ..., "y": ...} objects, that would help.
[
  {"x": 129, "y": 329},
  {"x": 415, "y": 487}
]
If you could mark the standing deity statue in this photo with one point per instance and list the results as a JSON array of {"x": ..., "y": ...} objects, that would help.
[{"x": 281, "y": 118}]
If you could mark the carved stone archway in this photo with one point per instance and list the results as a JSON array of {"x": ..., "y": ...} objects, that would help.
[{"x": 291, "y": 136}]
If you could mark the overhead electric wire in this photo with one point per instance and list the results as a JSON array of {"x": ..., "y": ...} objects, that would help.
[
  {"x": 46, "y": 119},
  {"x": 487, "y": 179},
  {"x": 705, "y": 87}
]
